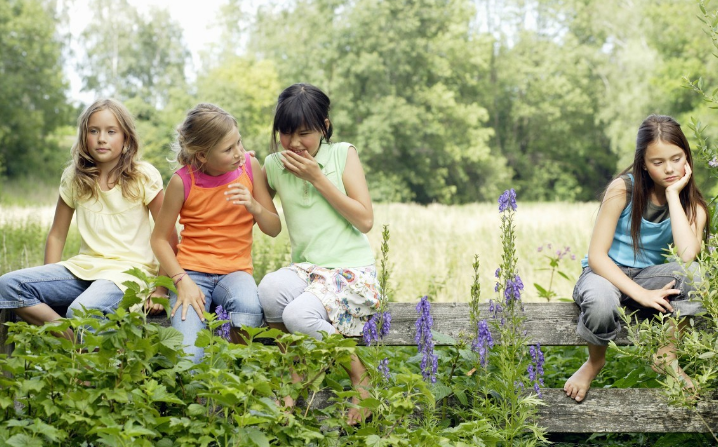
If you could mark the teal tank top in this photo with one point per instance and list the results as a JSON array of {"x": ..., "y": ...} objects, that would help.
[{"x": 655, "y": 236}]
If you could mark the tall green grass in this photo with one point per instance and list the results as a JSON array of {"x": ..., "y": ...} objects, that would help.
[{"x": 431, "y": 248}]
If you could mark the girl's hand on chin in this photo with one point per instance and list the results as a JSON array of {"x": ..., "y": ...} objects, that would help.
[
  {"x": 681, "y": 183},
  {"x": 302, "y": 165}
]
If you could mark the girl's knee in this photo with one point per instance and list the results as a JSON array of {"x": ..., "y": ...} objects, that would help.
[{"x": 246, "y": 311}]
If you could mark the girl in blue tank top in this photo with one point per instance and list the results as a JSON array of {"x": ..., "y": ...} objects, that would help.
[{"x": 654, "y": 203}]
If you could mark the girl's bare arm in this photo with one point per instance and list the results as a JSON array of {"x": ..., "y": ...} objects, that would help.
[{"x": 57, "y": 236}]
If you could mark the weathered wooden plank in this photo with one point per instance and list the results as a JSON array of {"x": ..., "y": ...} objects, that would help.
[
  {"x": 5, "y": 316},
  {"x": 551, "y": 324},
  {"x": 612, "y": 410},
  {"x": 625, "y": 410}
]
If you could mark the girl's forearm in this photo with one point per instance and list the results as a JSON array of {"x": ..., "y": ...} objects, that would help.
[
  {"x": 605, "y": 267},
  {"x": 165, "y": 254},
  {"x": 686, "y": 242},
  {"x": 53, "y": 249},
  {"x": 267, "y": 221},
  {"x": 352, "y": 210}
]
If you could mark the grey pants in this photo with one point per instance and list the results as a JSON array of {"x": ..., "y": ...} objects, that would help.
[
  {"x": 284, "y": 300},
  {"x": 599, "y": 321}
]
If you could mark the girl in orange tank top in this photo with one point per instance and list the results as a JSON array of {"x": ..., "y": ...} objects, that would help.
[{"x": 218, "y": 201}]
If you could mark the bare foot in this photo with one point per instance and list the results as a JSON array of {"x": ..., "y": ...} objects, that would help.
[
  {"x": 357, "y": 415},
  {"x": 288, "y": 402},
  {"x": 665, "y": 362},
  {"x": 360, "y": 380},
  {"x": 579, "y": 383}
]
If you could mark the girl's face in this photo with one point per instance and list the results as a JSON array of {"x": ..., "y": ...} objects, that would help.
[
  {"x": 301, "y": 140},
  {"x": 225, "y": 157},
  {"x": 105, "y": 139},
  {"x": 665, "y": 163}
]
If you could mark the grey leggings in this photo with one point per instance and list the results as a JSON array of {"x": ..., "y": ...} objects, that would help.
[
  {"x": 284, "y": 300},
  {"x": 599, "y": 321}
]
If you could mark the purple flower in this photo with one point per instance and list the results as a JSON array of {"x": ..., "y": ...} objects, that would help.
[
  {"x": 507, "y": 200},
  {"x": 482, "y": 341},
  {"x": 540, "y": 249},
  {"x": 369, "y": 332},
  {"x": 497, "y": 272},
  {"x": 385, "y": 325},
  {"x": 535, "y": 368},
  {"x": 383, "y": 369},
  {"x": 713, "y": 163},
  {"x": 222, "y": 331},
  {"x": 425, "y": 341},
  {"x": 513, "y": 289}
]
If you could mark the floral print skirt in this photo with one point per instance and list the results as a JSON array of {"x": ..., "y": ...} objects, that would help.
[{"x": 350, "y": 295}]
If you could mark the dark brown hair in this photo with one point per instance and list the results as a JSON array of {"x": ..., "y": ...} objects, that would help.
[
  {"x": 666, "y": 129},
  {"x": 301, "y": 105}
]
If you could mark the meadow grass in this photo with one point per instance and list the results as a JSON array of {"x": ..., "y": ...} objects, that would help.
[{"x": 432, "y": 247}]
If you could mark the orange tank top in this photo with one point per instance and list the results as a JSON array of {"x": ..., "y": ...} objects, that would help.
[{"x": 217, "y": 235}]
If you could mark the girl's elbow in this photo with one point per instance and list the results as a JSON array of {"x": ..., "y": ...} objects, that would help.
[
  {"x": 366, "y": 225},
  {"x": 273, "y": 232}
]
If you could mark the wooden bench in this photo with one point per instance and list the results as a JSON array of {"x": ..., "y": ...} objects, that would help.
[{"x": 617, "y": 410}]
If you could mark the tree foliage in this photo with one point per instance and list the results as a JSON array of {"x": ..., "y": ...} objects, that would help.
[
  {"x": 447, "y": 101},
  {"x": 32, "y": 85}
]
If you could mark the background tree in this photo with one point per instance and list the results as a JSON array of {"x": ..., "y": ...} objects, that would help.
[
  {"x": 130, "y": 55},
  {"x": 32, "y": 87}
]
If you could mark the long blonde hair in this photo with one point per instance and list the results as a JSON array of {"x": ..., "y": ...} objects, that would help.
[
  {"x": 204, "y": 127},
  {"x": 85, "y": 170}
]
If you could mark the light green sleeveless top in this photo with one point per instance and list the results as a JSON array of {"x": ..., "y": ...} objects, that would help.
[{"x": 318, "y": 233}]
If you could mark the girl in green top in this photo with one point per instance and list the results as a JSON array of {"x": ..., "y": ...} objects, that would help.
[{"x": 331, "y": 284}]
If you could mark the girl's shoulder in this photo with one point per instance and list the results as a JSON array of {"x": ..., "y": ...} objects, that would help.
[
  {"x": 618, "y": 192},
  {"x": 147, "y": 169}
]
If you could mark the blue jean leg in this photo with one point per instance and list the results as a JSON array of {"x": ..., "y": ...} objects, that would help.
[
  {"x": 102, "y": 295},
  {"x": 236, "y": 292},
  {"x": 599, "y": 300},
  {"x": 51, "y": 284}
]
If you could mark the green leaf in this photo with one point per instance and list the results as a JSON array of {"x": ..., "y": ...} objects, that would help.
[
  {"x": 442, "y": 339},
  {"x": 461, "y": 395},
  {"x": 196, "y": 409},
  {"x": 440, "y": 390},
  {"x": 23, "y": 440},
  {"x": 170, "y": 337},
  {"x": 370, "y": 403},
  {"x": 707, "y": 355},
  {"x": 257, "y": 437}
]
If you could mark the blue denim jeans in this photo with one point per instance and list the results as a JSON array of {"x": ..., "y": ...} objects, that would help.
[
  {"x": 56, "y": 286},
  {"x": 237, "y": 294},
  {"x": 599, "y": 320}
]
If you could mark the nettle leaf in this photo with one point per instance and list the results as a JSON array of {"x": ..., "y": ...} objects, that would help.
[
  {"x": 170, "y": 337},
  {"x": 461, "y": 395},
  {"x": 257, "y": 437},
  {"x": 196, "y": 409},
  {"x": 204, "y": 337},
  {"x": 23, "y": 440},
  {"x": 5, "y": 402},
  {"x": 442, "y": 339},
  {"x": 160, "y": 394},
  {"x": 139, "y": 274},
  {"x": 370, "y": 403},
  {"x": 440, "y": 391},
  {"x": 31, "y": 385}
]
